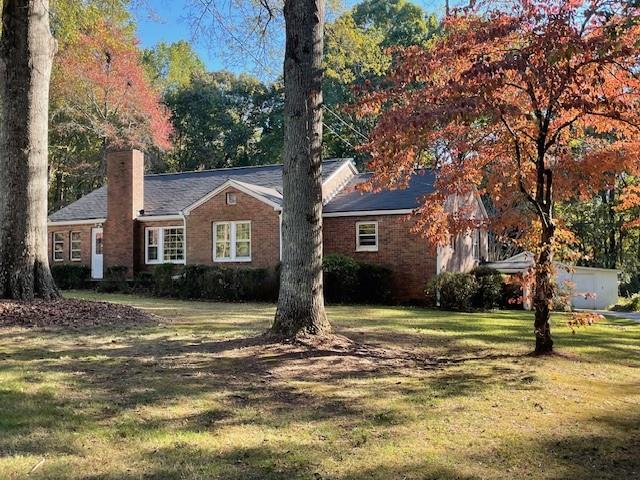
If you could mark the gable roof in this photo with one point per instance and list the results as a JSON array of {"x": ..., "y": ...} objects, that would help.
[
  {"x": 171, "y": 193},
  {"x": 349, "y": 199},
  {"x": 174, "y": 193}
]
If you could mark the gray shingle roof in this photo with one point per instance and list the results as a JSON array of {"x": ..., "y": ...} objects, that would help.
[
  {"x": 168, "y": 194},
  {"x": 351, "y": 200}
]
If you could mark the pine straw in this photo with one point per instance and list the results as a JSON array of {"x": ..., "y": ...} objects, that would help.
[{"x": 68, "y": 313}]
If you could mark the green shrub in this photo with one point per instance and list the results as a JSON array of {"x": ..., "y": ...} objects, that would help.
[
  {"x": 630, "y": 284},
  {"x": 453, "y": 291},
  {"x": 163, "y": 280},
  {"x": 629, "y": 305},
  {"x": 374, "y": 284},
  {"x": 228, "y": 284},
  {"x": 340, "y": 278},
  {"x": 489, "y": 283},
  {"x": 143, "y": 283},
  {"x": 115, "y": 280},
  {"x": 69, "y": 276}
]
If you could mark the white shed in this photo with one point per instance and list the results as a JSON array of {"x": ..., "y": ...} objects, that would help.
[{"x": 593, "y": 288}]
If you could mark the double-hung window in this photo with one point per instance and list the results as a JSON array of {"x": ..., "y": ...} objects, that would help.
[
  {"x": 232, "y": 241},
  {"x": 367, "y": 236},
  {"x": 75, "y": 247},
  {"x": 58, "y": 247},
  {"x": 164, "y": 245}
]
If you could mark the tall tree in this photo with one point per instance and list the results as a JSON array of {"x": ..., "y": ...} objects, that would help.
[
  {"x": 224, "y": 120},
  {"x": 301, "y": 302},
  {"x": 26, "y": 55},
  {"x": 101, "y": 92},
  {"x": 358, "y": 51},
  {"x": 533, "y": 104}
]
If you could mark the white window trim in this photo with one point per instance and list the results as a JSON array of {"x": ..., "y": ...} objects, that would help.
[
  {"x": 366, "y": 248},
  {"x": 160, "y": 247},
  {"x": 53, "y": 247},
  {"x": 71, "y": 249},
  {"x": 232, "y": 239}
]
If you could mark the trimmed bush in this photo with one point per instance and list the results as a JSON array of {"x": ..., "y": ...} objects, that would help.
[
  {"x": 347, "y": 280},
  {"x": 489, "y": 283},
  {"x": 374, "y": 284},
  {"x": 340, "y": 278},
  {"x": 227, "y": 283},
  {"x": 70, "y": 276},
  {"x": 455, "y": 291},
  {"x": 143, "y": 283},
  {"x": 115, "y": 280},
  {"x": 163, "y": 280}
]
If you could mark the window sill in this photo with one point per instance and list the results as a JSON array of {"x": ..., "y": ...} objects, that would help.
[
  {"x": 366, "y": 249},
  {"x": 172, "y": 262},
  {"x": 232, "y": 260}
]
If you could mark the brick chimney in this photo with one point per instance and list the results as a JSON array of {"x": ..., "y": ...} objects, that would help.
[{"x": 125, "y": 199}]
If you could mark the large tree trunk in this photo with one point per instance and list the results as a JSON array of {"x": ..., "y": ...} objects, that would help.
[
  {"x": 544, "y": 292},
  {"x": 301, "y": 303},
  {"x": 26, "y": 55}
]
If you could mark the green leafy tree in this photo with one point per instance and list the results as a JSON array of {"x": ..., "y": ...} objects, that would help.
[
  {"x": 224, "y": 120},
  {"x": 357, "y": 52},
  {"x": 172, "y": 65}
]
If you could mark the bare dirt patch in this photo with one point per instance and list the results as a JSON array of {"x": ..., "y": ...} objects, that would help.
[{"x": 70, "y": 313}]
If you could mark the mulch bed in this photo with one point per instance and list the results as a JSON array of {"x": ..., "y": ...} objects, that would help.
[{"x": 69, "y": 313}]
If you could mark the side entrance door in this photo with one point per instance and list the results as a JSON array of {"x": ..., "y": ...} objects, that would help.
[{"x": 96, "y": 253}]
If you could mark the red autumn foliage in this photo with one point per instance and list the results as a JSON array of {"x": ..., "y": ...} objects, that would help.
[
  {"x": 530, "y": 102},
  {"x": 101, "y": 88}
]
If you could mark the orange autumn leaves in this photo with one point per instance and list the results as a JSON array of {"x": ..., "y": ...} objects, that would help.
[
  {"x": 509, "y": 98},
  {"x": 100, "y": 87}
]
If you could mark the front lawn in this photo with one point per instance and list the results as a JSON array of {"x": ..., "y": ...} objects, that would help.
[{"x": 433, "y": 395}]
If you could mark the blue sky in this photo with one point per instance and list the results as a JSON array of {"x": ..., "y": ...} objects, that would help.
[{"x": 169, "y": 21}]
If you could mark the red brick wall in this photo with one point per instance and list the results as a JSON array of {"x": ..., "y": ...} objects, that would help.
[
  {"x": 265, "y": 229},
  {"x": 85, "y": 243},
  {"x": 125, "y": 199},
  {"x": 410, "y": 259}
]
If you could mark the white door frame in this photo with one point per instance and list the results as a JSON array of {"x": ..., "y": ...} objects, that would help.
[{"x": 97, "y": 265}]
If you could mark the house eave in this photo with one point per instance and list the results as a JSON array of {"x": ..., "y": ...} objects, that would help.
[{"x": 86, "y": 221}]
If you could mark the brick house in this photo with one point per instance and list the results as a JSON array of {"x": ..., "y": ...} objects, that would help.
[{"x": 232, "y": 217}]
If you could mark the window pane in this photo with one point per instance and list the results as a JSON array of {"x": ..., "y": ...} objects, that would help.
[
  {"x": 173, "y": 244},
  {"x": 367, "y": 240},
  {"x": 152, "y": 244},
  {"x": 75, "y": 246},
  {"x": 367, "y": 229},
  {"x": 99, "y": 243},
  {"x": 243, "y": 249},
  {"x": 223, "y": 240},
  {"x": 222, "y": 231},
  {"x": 243, "y": 231},
  {"x": 58, "y": 246}
]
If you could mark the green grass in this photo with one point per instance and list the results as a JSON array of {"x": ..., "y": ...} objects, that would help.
[{"x": 194, "y": 399}]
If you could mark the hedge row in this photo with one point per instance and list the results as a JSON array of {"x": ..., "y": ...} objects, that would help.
[
  {"x": 345, "y": 280},
  {"x": 349, "y": 281},
  {"x": 70, "y": 276}
]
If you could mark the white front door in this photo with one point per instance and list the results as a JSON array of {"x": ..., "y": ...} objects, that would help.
[{"x": 96, "y": 253}]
